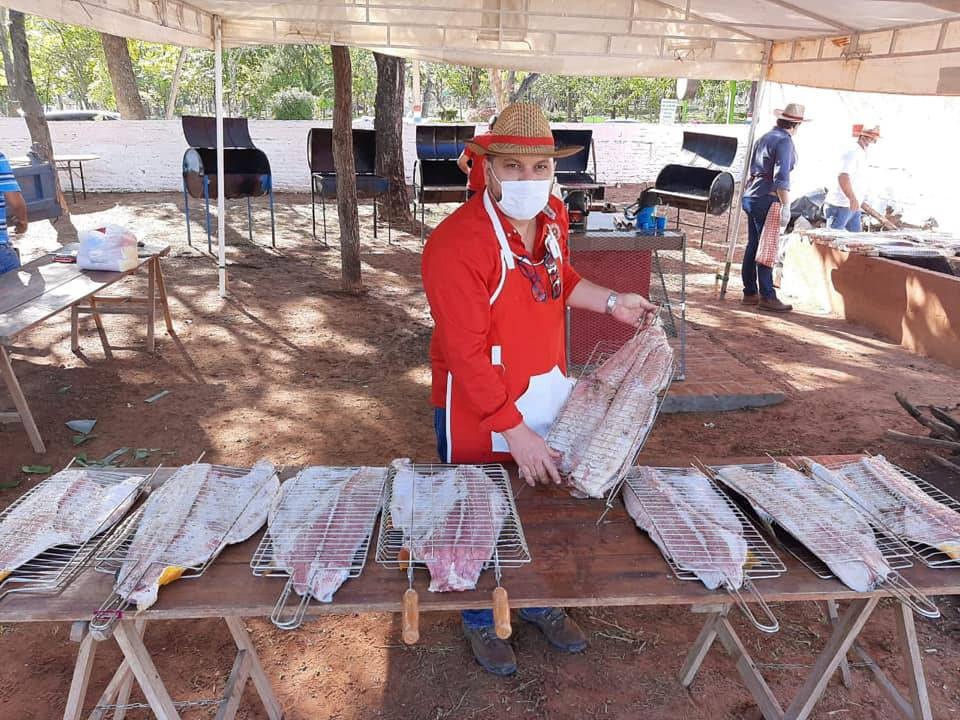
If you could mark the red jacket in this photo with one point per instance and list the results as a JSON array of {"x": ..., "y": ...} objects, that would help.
[{"x": 462, "y": 272}]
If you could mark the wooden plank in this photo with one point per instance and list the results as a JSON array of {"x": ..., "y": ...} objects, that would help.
[
  {"x": 20, "y": 402},
  {"x": 81, "y": 678},
  {"x": 752, "y": 679},
  {"x": 233, "y": 692},
  {"x": 844, "y": 664},
  {"x": 32, "y": 280},
  {"x": 164, "y": 302},
  {"x": 698, "y": 651},
  {"x": 126, "y": 682},
  {"x": 9, "y": 417},
  {"x": 883, "y": 682},
  {"x": 260, "y": 680},
  {"x": 145, "y": 671},
  {"x": 919, "y": 699},
  {"x": 850, "y": 625},
  {"x": 152, "y": 303}
]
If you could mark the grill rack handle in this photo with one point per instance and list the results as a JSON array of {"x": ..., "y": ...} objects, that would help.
[
  {"x": 905, "y": 592},
  {"x": 769, "y": 624},
  {"x": 411, "y": 617},
  {"x": 285, "y": 615}
]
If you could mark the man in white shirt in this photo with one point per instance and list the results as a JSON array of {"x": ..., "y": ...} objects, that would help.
[{"x": 844, "y": 204}]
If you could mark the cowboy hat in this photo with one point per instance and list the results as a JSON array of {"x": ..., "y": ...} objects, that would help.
[
  {"x": 792, "y": 113},
  {"x": 522, "y": 129}
]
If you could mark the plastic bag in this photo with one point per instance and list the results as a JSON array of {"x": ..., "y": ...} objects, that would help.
[{"x": 113, "y": 248}]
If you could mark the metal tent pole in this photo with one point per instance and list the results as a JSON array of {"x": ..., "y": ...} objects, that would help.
[
  {"x": 221, "y": 202},
  {"x": 736, "y": 210}
]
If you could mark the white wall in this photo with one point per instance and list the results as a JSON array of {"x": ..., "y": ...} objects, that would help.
[{"x": 145, "y": 156}]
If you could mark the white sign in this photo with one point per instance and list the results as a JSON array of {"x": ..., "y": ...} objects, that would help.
[{"x": 668, "y": 111}]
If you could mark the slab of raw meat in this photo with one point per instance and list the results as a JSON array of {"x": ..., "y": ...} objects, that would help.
[
  {"x": 318, "y": 523},
  {"x": 817, "y": 515},
  {"x": 68, "y": 508},
  {"x": 187, "y": 520},
  {"x": 694, "y": 526},
  {"x": 902, "y": 506},
  {"x": 452, "y": 523}
]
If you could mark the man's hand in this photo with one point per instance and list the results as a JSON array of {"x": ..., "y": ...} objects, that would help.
[
  {"x": 854, "y": 203},
  {"x": 634, "y": 309},
  {"x": 19, "y": 224},
  {"x": 537, "y": 461}
]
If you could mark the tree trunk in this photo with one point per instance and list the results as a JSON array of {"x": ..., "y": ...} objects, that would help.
[
  {"x": 175, "y": 85},
  {"x": 122, "y": 78},
  {"x": 346, "y": 170},
  {"x": 525, "y": 85},
  {"x": 496, "y": 86},
  {"x": 33, "y": 112},
  {"x": 8, "y": 66},
  {"x": 388, "y": 122}
]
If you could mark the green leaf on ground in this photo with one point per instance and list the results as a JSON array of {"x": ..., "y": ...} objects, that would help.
[
  {"x": 81, "y": 439},
  {"x": 154, "y": 398},
  {"x": 64, "y": 390},
  {"x": 81, "y": 459},
  {"x": 36, "y": 469},
  {"x": 111, "y": 459},
  {"x": 144, "y": 453},
  {"x": 10, "y": 485}
]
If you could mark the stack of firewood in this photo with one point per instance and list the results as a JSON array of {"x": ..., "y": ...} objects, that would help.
[{"x": 943, "y": 427}]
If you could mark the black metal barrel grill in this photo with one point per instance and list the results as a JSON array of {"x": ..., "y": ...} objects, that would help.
[
  {"x": 436, "y": 176},
  {"x": 578, "y": 186},
  {"x": 700, "y": 182},
  {"x": 246, "y": 168}
]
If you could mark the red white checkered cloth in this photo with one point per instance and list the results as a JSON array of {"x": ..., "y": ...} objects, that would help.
[{"x": 770, "y": 237}]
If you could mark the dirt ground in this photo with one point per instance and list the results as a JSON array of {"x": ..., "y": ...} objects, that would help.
[{"x": 290, "y": 368}]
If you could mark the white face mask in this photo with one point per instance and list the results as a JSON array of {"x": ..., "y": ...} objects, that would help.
[{"x": 523, "y": 199}]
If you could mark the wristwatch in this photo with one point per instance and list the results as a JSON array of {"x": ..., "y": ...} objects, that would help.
[{"x": 611, "y": 303}]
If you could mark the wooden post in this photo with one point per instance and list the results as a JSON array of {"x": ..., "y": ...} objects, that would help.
[
  {"x": 919, "y": 700},
  {"x": 145, "y": 671}
]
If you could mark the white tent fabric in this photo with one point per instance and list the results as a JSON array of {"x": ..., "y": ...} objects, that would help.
[{"x": 901, "y": 46}]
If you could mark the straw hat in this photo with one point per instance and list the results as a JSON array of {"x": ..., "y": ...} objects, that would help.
[
  {"x": 792, "y": 113},
  {"x": 522, "y": 129}
]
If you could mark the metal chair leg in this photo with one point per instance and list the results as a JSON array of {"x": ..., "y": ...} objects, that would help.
[
  {"x": 313, "y": 203},
  {"x": 374, "y": 217},
  {"x": 703, "y": 229},
  {"x": 249, "y": 220},
  {"x": 186, "y": 212},
  {"x": 273, "y": 222},
  {"x": 323, "y": 207},
  {"x": 206, "y": 199}
]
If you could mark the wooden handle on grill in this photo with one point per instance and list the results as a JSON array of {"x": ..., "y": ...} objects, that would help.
[
  {"x": 501, "y": 613},
  {"x": 411, "y": 617},
  {"x": 404, "y": 558}
]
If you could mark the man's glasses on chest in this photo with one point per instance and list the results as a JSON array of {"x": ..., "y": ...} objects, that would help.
[{"x": 530, "y": 272}]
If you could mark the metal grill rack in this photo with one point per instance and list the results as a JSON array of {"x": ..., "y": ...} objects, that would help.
[
  {"x": 430, "y": 487},
  {"x": 895, "y": 553},
  {"x": 333, "y": 534},
  {"x": 928, "y": 555},
  {"x": 113, "y": 554},
  {"x": 762, "y": 561},
  {"x": 601, "y": 353},
  {"x": 50, "y": 571}
]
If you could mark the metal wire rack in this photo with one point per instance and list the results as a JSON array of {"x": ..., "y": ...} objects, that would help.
[
  {"x": 621, "y": 426},
  {"x": 318, "y": 534},
  {"x": 769, "y": 489},
  {"x": 161, "y": 533},
  {"x": 62, "y": 521},
  {"x": 892, "y": 508},
  {"x": 673, "y": 512},
  {"x": 419, "y": 501}
]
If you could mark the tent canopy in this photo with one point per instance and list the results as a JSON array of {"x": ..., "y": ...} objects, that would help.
[{"x": 899, "y": 46}]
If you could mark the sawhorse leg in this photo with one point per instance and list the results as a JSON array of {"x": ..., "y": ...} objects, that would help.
[
  {"x": 23, "y": 414},
  {"x": 833, "y": 616},
  {"x": 137, "y": 664},
  {"x": 162, "y": 290}
]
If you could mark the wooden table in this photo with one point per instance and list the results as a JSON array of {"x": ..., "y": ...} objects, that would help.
[
  {"x": 66, "y": 162},
  {"x": 42, "y": 288},
  {"x": 576, "y": 563}
]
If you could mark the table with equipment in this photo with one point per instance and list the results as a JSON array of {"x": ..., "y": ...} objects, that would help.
[
  {"x": 71, "y": 163},
  {"x": 43, "y": 288},
  {"x": 625, "y": 569}
]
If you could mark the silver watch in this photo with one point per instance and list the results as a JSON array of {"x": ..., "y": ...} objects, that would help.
[{"x": 611, "y": 303}]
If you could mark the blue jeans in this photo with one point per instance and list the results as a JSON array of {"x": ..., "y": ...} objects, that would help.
[
  {"x": 473, "y": 619},
  {"x": 843, "y": 218},
  {"x": 9, "y": 260},
  {"x": 756, "y": 276}
]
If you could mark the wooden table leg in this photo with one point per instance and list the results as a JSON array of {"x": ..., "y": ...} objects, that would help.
[
  {"x": 761, "y": 692},
  {"x": 81, "y": 677},
  {"x": 125, "y": 685},
  {"x": 145, "y": 671},
  {"x": 164, "y": 303},
  {"x": 101, "y": 331},
  {"x": 833, "y": 615},
  {"x": 700, "y": 648},
  {"x": 20, "y": 402},
  {"x": 919, "y": 699},
  {"x": 74, "y": 329},
  {"x": 233, "y": 693},
  {"x": 849, "y": 626},
  {"x": 260, "y": 680},
  {"x": 151, "y": 303}
]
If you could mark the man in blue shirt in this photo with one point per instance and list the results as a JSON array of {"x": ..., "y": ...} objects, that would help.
[
  {"x": 773, "y": 159},
  {"x": 10, "y": 197}
]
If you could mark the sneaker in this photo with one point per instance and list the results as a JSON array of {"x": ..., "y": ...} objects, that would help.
[
  {"x": 751, "y": 299},
  {"x": 494, "y": 655},
  {"x": 774, "y": 305},
  {"x": 560, "y": 630}
]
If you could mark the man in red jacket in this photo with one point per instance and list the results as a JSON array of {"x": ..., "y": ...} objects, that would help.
[{"x": 498, "y": 279}]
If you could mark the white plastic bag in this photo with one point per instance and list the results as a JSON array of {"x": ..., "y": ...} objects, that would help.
[{"x": 113, "y": 248}]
